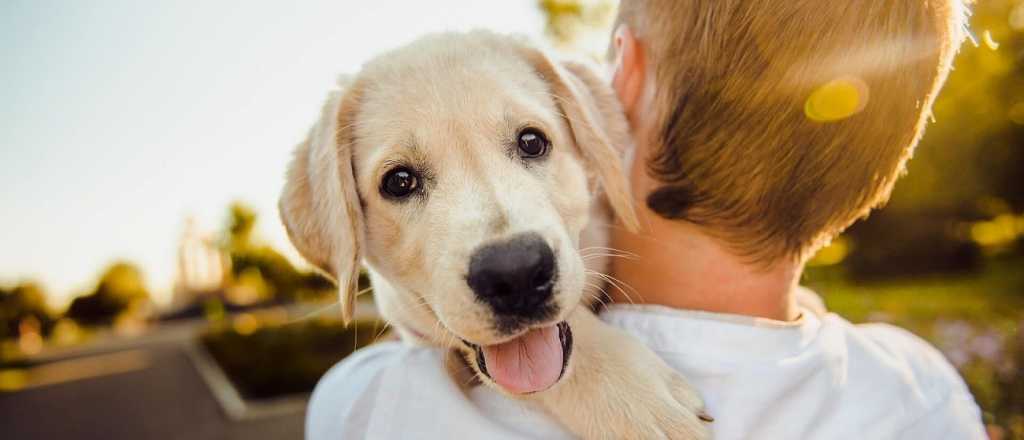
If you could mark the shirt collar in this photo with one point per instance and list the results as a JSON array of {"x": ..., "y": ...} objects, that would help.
[{"x": 669, "y": 330}]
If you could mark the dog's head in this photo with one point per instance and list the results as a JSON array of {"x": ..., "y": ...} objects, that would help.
[{"x": 460, "y": 169}]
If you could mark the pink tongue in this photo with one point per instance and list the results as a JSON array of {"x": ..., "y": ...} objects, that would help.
[{"x": 529, "y": 363}]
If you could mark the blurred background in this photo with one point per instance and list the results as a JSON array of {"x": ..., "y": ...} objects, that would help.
[{"x": 147, "y": 289}]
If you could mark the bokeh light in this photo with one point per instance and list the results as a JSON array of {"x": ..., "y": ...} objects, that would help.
[
  {"x": 836, "y": 100},
  {"x": 989, "y": 41}
]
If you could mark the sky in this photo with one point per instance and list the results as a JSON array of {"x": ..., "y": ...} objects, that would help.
[{"x": 121, "y": 119}]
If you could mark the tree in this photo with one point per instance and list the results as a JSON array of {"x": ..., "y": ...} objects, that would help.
[
  {"x": 241, "y": 221},
  {"x": 249, "y": 257},
  {"x": 967, "y": 169},
  {"x": 578, "y": 25},
  {"x": 21, "y": 302},
  {"x": 120, "y": 287}
]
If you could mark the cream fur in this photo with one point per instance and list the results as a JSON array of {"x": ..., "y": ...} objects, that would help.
[{"x": 451, "y": 104}]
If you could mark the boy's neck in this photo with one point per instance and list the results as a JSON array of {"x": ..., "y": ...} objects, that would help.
[{"x": 678, "y": 266}]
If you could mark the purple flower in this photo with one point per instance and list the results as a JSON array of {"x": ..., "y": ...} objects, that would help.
[
  {"x": 988, "y": 346},
  {"x": 958, "y": 356},
  {"x": 950, "y": 334}
]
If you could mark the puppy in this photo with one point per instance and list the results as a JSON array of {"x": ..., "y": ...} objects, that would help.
[{"x": 462, "y": 170}]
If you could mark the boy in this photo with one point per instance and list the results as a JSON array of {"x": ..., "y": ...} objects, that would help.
[{"x": 763, "y": 129}]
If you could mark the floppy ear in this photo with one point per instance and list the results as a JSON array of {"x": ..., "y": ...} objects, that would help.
[
  {"x": 319, "y": 205},
  {"x": 598, "y": 126}
]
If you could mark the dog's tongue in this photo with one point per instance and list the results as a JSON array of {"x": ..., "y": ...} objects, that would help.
[{"x": 529, "y": 363}]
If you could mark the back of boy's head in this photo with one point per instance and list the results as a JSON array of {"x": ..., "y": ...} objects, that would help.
[{"x": 778, "y": 123}]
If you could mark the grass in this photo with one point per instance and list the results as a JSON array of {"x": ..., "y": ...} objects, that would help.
[{"x": 996, "y": 292}]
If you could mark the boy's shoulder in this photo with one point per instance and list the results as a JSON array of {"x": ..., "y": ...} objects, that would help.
[
  {"x": 398, "y": 390},
  {"x": 341, "y": 406},
  {"x": 896, "y": 348},
  {"x": 926, "y": 391},
  {"x": 887, "y": 349},
  {"x": 872, "y": 380}
]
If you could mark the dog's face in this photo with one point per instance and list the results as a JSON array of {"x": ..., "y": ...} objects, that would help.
[{"x": 460, "y": 169}]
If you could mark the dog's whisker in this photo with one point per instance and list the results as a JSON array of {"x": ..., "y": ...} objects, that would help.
[
  {"x": 321, "y": 310},
  {"x": 600, "y": 287},
  {"x": 592, "y": 252},
  {"x": 623, "y": 283},
  {"x": 622, "y": 291},
  {"x": 383, "y": 329},
  {"x": 470, "y": 379},
  {"x": 606, "y": 252},
  {"x": 603, "y": 297},
  {"x": 607, "y": 282},
  {"x": 606, "y": 248},
  {"x": 313, "y": 313},
  {"x": 594, "y": 256},
  {"x": 615, "y": 282}
]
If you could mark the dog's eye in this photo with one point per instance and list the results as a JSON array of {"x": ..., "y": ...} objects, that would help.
[
  {"x": 532, "y": 143},
  {"x": 400, "y": 182}
]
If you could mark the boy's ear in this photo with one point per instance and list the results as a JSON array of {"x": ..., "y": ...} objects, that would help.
[
  {"x": 629, "y": 76},
  {"x": 319, "y": 205},
  {"x": 597, "y": 123}
]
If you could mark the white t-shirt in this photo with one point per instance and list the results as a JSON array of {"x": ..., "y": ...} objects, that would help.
[{"x": 820, "y": 377}]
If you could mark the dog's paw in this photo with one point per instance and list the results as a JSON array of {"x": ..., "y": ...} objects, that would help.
[
  {"x": 619, "y": 389},
  {"x": 644, "y": 398}
]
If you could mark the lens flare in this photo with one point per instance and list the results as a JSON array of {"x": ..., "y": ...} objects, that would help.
[
  {"x": 989, "y": 41},
  {"x": 1017, "y": 17},
  {"x": 837, "y": 100}
]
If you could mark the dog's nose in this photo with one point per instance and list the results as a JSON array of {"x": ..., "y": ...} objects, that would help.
[{"x": 514, "y": 277}]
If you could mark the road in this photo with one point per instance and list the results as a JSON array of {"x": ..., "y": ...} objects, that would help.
[{"x": 129, "y": 391}]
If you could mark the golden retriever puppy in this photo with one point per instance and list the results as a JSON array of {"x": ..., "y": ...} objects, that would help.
[{"x": 467, "y": 172}]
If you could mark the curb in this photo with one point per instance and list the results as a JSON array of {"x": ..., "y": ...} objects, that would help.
[{"x": 231, "y": 402}]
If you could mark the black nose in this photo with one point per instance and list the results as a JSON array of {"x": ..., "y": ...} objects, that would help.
[{"x": 514, "y": 277}]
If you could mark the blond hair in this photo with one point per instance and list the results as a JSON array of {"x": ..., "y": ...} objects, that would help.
[{"x": 737, "y": 148}]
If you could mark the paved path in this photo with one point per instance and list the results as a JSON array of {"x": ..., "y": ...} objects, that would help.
[
  {"x": 163, "y": 397},
  {"x": 130, "y": 388},
  {"x": 142, "y": 387}
]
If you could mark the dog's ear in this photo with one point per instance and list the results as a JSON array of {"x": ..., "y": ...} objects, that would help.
[
  {"x": 598, "y": 126},
  {"x": 320, "y": 206}
]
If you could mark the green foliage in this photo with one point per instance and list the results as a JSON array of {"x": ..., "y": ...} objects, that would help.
[
  {"x": 974, "y": 146},
  {"x": 560, "y": 15},
  {"x": 276, "y": 271},
  {"x": 968, "y": 167},
  {"x": 21, "y": 302},
  {"x": 241, "y": 221},
  {"x": 291, "y": 358},
  {"x": 578, "y": 25},
  {"x": 120, "y": 287},
  {"x": 893, "y": 245},
  {"x": 250, "y": 258}
]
